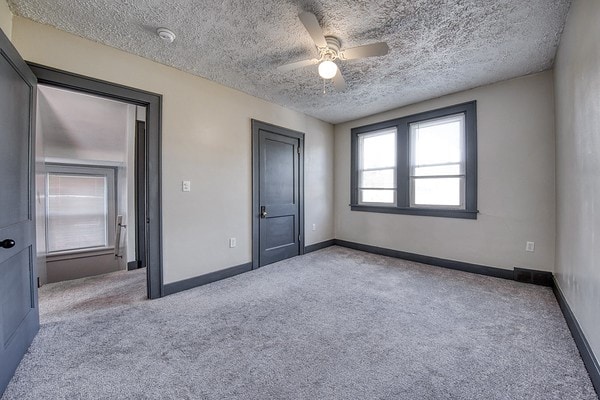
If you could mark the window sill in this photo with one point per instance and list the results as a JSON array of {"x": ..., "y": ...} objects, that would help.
[
  {"x": 427, "y": 212},
  {"x": 83, "y": 253}
]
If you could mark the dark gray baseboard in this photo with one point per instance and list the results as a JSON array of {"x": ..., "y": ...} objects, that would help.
[
  {"x": 438, "y": 262},
  {"x": 587, "y": 355},
  {"x": 175, "y": 287},
  {"x": 131, "y": 265},
  {"x": 319, "y": 246},
  {"x": 543, "y": 278},
  {"x": 190, "y": 283}
]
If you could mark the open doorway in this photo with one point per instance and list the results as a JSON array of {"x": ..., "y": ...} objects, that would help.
[
  {"x": 98, "y": 171},
  {"x": 87, "y": 221}
]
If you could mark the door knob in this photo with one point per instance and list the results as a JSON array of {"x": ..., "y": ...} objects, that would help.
[
  {"x": 263, "y": 212},
  {"x": 7, "y": 243}
]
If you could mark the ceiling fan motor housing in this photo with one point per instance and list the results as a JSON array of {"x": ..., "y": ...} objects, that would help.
[{"x": 332, "y": 51}]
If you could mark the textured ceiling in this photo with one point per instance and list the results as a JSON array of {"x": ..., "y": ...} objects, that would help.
[{"x": 436, "y": 46}]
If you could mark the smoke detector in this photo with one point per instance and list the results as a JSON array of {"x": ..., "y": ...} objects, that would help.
[{"x": 166, "y": 34}]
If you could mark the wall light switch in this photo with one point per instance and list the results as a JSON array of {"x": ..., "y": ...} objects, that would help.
[
  {"x": 314, "y": 227},
  {"x": 186, "y": 186},
  {"x": 530, "y": 246},
  {"x": 232, "y": 243}
]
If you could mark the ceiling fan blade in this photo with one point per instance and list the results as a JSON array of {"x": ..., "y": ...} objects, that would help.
[
  {"x": 368, "y": 50},
  {"x": 297, "y": 64},
  {"x": 311, "y": 24},
  {"x": 339, "y": 83}
]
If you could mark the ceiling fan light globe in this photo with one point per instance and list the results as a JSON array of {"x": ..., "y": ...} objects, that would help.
[{"x": 327, "y": 69}]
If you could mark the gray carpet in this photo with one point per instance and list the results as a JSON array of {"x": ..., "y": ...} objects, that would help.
[{"x": 334, "y": 324}]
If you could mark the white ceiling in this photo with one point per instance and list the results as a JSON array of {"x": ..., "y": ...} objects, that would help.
[
  {"x": 78, "y": 126},
  {"x": 436, "y": 46}
]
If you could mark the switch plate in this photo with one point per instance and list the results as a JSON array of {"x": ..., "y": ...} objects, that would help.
[
  {"x": 314, "y": 227},
  {"x": 530, "y": 246},
  {"x": 186, "y": 186},
  {"x": 232, "y": 243}
]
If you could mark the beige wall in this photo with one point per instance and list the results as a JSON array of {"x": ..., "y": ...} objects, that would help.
[
  {"x": 206, "y": 139},
  {"x": 515, "y": 183},
  {"x": 5, "y": 19},
  {"x": 577, "y": 82}
]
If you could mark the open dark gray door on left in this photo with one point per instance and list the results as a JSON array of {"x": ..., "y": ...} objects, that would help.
[{"x": 19, "y": 317}]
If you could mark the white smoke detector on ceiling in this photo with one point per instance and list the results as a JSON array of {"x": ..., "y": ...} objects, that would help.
[{"x": 166, "y": 34}]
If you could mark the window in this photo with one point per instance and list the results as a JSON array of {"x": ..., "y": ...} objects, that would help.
[
  {"x": 437, "y": 162},
  {"x": 80, "y": 207},
  {"x": 424, "y": 164},
  {"x": 377, "y": 167}
]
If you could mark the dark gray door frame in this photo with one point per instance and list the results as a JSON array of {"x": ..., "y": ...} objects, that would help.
[
  {"x": 140, "y": 195},
  {"x": 256, "y": 127},
  {"x": 153, "y": 104}
]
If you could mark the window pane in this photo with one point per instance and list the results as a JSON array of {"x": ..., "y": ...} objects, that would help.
[
  {"x": 77, "y": 212},
  {"x": 383, "y": 178},
  {"x": 437, "y": 191},
  {"x": 377, "y": 196},
  {"x": 378, "y": 149},
  {"x": 438, "y": 141},
  {"x": 449, "y": 169}
]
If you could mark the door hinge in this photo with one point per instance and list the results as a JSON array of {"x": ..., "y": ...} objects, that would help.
[
  {"x": 299, "y": 238},
  {"x": 298, "y": 149}
]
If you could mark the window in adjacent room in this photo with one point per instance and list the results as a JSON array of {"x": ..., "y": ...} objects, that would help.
[
  {"x": 424, "y": 164},
  {"x": 80, "y": 207}
]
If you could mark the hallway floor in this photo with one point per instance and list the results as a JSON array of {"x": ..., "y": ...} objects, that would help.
[{"x": 64, "y": 300}]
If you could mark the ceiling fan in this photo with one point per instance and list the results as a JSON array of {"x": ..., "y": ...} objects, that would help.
[{"x": 330, "y": 51}]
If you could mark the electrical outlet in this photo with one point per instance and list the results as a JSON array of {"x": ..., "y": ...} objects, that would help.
[
  {"x": 186, "y": 186},
  {"x": 530, "y": 246},
  {"x": 314, "y": 227},
  {"x": 232, "y": 243}
]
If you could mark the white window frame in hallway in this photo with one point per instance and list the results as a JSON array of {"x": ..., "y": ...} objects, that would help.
[{"x": 110, "y": 196}]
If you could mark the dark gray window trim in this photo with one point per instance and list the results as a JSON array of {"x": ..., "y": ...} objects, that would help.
[
  {"x": 153, "y": 104},
  {"x": 403, "y": 166}
]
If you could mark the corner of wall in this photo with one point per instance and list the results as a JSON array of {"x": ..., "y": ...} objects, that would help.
[
  {"x": 577, "y": 85},
  {"x": 6, "y": 17}
]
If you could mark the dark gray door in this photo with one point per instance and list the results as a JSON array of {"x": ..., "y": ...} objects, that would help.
[
  {"x": 279, "y": 195},
  {"x": 19, "y": 318}
]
